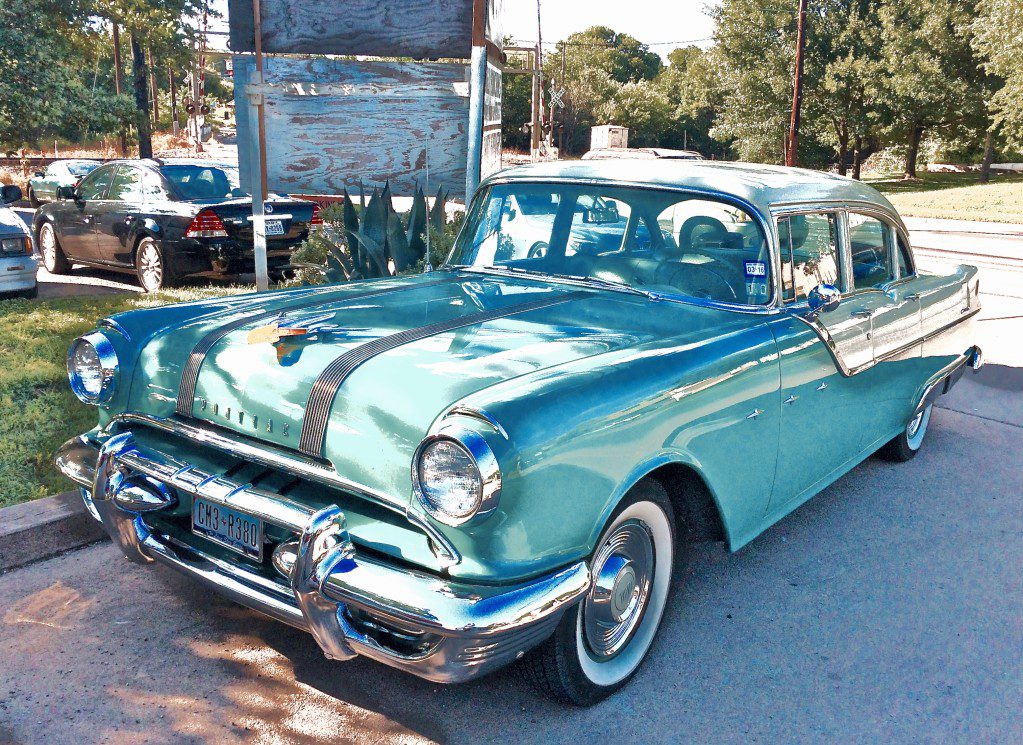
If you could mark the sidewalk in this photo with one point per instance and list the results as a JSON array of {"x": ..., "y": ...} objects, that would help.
[{"x": 938, "y": 225}]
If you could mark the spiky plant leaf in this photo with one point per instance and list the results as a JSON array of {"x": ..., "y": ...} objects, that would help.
[
  {"x": 398, "y": 244},
  {"x": 374, "y": 225},
  {"x": 350, "y": 221},
  {"x": 437, "y": 215},
  {"x": 415, "y": 226},
  {"x": 376, "y": 254}
]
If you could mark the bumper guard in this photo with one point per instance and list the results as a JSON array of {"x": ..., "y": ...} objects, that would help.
[{"x": 452, "y": 631}]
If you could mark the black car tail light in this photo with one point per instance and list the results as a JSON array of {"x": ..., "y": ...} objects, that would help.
[{"x": 207, "y": 224}]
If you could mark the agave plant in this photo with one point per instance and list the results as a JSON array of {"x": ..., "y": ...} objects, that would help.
[{"x": 374, "y": 240}]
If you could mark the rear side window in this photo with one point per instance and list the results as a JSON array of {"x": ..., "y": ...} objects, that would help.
[
  {"x": 869, "y": 239},
  {"x": 126, "y": 186},
  {"x": 95, "y": 184},
  {"x": 202, "y": 181},
  {"x": 905, "y": 260},
  {"x": 809, "y": 253}
]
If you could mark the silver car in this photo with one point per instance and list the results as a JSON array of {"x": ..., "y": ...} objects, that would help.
[{"x": 18, "y": 263}]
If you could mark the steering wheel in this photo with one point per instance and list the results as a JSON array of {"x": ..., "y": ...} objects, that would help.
[
  {"x": 703, "y": 282},
  {"x": 538, "y": 250}
]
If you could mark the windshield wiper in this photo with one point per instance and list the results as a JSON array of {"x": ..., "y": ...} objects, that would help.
[{"x": 606, "y": 284}]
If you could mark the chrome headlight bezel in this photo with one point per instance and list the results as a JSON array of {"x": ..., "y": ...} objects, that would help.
[
  {"x": 108, "y": 369},
  {"x": 475, "y": 446}
]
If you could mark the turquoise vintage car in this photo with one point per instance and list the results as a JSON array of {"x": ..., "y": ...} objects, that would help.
[{"x": 509, "y": 454}]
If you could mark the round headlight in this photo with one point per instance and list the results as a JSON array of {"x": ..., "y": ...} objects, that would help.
[
  {"x": 456, "y": 476},
  {"x": 92, "y": 368}
]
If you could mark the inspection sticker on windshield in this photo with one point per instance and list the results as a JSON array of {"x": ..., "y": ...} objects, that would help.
[{"x": 756, "y": 278}]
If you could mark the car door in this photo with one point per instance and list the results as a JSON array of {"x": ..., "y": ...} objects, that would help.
[
  {"x": 884, "y": 280},
  {"x": 45, "y": 188},
  {"x": 75, "y": 218},
  {"x": 115, "y": 214},
  {"x": 820, "y": 406}
]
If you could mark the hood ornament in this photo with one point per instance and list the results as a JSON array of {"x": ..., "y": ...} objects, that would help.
[{"x": 289, "y": 340}]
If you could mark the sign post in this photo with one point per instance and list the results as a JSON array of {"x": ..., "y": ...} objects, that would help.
[{"x": 259, "y": 192}]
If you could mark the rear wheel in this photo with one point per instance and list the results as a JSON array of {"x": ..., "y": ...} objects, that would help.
[
  {"x": 54, "y": 259},
  {"x": 600, "y": 643},
  {"x": 905, "y": 446},
  {"x": 151, "y": 267}
]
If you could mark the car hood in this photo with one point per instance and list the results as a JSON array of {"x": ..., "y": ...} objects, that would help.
[
  {"x": 460, "y": 334},
  {"x": 10, "y": 223}
]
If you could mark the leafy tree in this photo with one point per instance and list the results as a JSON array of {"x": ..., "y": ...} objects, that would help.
[
  {"x": 755, "y": 51},
  {"x": 598, "y": 63},
  {"x": 998, "y": 37},
  {"x": 932, "y": 78},
  {"x": 693, "y": 88}
]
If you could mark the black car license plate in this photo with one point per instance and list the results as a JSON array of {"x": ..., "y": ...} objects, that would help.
[{"x": 229, "y": 528}]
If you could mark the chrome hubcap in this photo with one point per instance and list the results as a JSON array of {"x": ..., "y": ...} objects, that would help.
[
  {"x": 47, "y": 241},
  {"x": 150, "y": 268},
  {"x": 914, "y": 426},
  {"x": 623, "y": 570}
]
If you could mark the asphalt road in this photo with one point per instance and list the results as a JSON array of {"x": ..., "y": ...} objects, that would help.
[{"x": 888, "y": 608}]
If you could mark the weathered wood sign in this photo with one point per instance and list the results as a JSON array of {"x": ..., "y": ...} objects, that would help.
[
  {"x": 333, "y": 123},
  {"x": 421, "y": 29}
]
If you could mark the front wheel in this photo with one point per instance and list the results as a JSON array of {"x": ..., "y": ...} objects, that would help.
[
  {"x": 907, "y": 443},
  {"x": 600, "y": 643}
]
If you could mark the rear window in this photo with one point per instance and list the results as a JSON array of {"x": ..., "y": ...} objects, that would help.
[
  {"x": 82, "y": 169},
  {"x": 203, "y": 182}
]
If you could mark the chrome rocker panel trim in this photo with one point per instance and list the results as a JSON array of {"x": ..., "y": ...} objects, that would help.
[{"x": 468, "y": 630}]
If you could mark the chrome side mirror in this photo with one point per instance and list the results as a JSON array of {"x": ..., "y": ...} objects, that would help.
[{"x": 823, "y": 298}]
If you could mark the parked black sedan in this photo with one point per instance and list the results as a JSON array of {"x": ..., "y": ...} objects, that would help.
[{"x": 164, "y": 220}]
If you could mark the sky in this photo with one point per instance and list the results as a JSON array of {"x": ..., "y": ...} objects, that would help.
[{"x": 664, "y": 24}]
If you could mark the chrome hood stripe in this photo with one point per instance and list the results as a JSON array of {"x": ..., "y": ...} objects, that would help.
[
  {"x": 327, "y": 385},
  {"x": 190, "y": 373}
]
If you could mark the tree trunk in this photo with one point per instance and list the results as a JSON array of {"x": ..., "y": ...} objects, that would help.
[
  {"x": 857, "y": 157},
  {"x": 915, "y": 135},
  {"x": 118, "y": 67},
  {"x": 138, "y": 64},
  {"x": 843, "y": 153},
  {"x": 989, "y": 155}
]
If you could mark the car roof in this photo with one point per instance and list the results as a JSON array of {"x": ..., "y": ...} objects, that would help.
[
  {"x": 158, "y": 162},
  {"x": 762, "y": 186},
  {"x": 640, "y": 152}
]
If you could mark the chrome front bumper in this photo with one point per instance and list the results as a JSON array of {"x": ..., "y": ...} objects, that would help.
[{"x": 353, "y": 605}]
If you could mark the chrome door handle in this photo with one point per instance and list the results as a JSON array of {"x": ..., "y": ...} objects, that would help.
[
  {"x": 755, "y": 413},
  {"x": 914, "y": 296},
  {"x": 861, "y": 314}
]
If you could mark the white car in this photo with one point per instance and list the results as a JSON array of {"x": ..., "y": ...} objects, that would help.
[{"x": 18, "y": 263}]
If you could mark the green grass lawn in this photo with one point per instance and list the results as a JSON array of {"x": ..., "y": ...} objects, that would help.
[
  {"x": 956, "y": 196},
  {"x": 37, "y": 409}
]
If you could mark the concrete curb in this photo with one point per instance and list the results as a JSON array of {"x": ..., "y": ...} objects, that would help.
[{"x": 45, "y": 527}]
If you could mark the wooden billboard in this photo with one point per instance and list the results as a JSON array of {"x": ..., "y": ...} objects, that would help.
[
  {"x": 335, "y": 123},
  {"x": 332, "y": 123},
  {"x": 421, "y": 29}
]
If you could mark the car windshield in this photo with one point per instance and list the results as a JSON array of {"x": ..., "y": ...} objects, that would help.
[
  {"x": 203, "y": 181},
  {"x": 666, "y": 242},
  {"x": 82, "y": 168}
]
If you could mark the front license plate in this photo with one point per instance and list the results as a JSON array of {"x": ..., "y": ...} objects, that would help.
[
  {"x": 275, "y": 227},
  {"x": 229, "y": 528}
]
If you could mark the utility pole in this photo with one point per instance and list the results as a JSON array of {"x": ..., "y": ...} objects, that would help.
[
  {"x": 791, "y": 155},
  {"x": 154, "y": 88},
  {"x": 117, "y": 83},
  {"x": 173, "y": 99},
  {"x": 536, "y": 111}
]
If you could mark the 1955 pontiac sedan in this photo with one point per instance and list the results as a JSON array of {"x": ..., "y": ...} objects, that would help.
[{"x": 507, "y": 456}]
